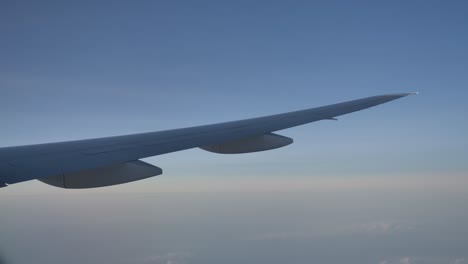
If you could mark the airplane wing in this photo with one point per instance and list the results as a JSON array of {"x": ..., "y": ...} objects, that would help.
[{"x": 115, "y": 160}]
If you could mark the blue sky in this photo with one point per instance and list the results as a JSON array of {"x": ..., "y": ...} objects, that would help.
[{"x": 84, "y": 69}]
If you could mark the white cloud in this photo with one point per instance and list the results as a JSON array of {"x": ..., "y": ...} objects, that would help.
[
  {"x": 383, "y": 227},
  {"x": 370, "y": 228},
  {"x": 423, "y": 260},
  {"x": 279, "y": 235},
  {"x": 179, "y": 257},
  {"x": 405, "y": 261}
]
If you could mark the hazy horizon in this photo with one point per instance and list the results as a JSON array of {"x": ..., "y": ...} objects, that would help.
[{"x": 331, "y": 221}]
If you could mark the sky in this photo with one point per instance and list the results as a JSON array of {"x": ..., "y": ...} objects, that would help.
[{"x": 383, "y": 186}]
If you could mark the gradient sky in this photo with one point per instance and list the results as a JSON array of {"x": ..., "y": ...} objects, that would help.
[{"x": 84, "y": 69}]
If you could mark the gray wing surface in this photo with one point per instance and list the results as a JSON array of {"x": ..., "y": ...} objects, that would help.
[{"x": 23, "y": 163}]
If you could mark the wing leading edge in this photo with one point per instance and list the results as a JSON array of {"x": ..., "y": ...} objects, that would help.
[{"x": 23, "y": 163}]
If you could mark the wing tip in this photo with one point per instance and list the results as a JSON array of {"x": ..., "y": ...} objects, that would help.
[
  {"x": 400, "y": 95},
  {"x": 406, "y": 94}
]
